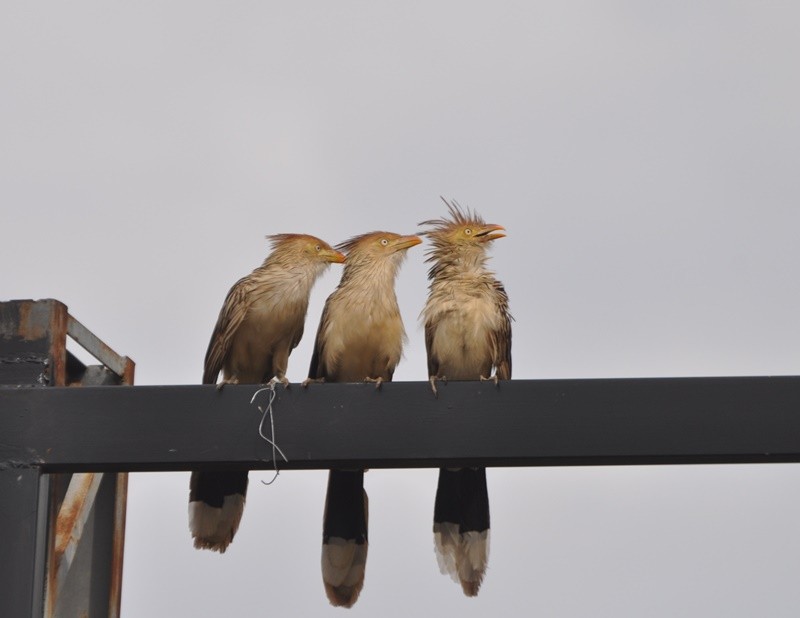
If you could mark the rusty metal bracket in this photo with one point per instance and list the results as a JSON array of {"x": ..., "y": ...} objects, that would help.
[
  {"x": 75, "y": 511},
  {"x": 70, "y": 564},
  {"x": 122, "y": 366}
]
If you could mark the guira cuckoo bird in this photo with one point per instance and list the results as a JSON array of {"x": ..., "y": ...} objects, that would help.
[
  {"x": 360, "y": 338},
  {"x": 260, "y": 323},
  {"x": 467, "y": 335}
]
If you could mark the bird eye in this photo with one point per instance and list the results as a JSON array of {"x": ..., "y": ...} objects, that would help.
[
  {"x": 384, "y": 242},
  {"x": 319, "y": 248},
  {"x": 468, "y": 231}
]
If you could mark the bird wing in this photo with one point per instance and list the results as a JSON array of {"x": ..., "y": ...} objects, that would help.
[
  {"x": 233, "y": 311},
  {"x": 317, "y": 368},
  {"x": 298, "y": 333},
  {"x": 502, "y": 336},
  {"x": 433, "y": 362}
]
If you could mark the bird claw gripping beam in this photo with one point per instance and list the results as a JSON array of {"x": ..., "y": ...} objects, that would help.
[
  {"x": 276, "y": 380},
  {"x": 492, "y": 378},
  {"x": 433, "y": 380},
  {"x": 378, "y": 381},
  {"x": 222, "y": 384}
]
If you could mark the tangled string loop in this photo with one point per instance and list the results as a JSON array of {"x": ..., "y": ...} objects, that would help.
[{"x": 269, "y": 440}]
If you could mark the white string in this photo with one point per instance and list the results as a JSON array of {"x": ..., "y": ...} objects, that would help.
[{"x": 271, "y": 441}]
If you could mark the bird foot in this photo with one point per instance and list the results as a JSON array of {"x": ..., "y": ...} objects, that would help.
[
  {"x": 224, "y": 382},
  {"x": 433, "y": 380},
  {"x": 492, "y": 378},
  {"x": 378, "y": 381},
  {"x": 276, "y": 380},
  {"x": 308, "y": 381}
]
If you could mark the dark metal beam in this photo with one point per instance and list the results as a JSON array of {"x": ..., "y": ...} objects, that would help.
[
  {"x": 523, "y": 422},
  {"x": 23, "y": 529}
]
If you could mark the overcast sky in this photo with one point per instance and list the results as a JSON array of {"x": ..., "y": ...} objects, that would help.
[{"x": 642, "y": 155}]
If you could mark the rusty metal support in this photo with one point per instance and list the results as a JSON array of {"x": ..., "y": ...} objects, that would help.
[
  {"x": 122, "y": 366},
  {"x": 74, "y": 513},
  {"x": 33, "y": 343},
  {"x": 70, "y": 562}
]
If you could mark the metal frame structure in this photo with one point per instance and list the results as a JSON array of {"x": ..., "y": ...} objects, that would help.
[
  {"x": 62, "y": 533},
  {"x": 46, "y": 432}
]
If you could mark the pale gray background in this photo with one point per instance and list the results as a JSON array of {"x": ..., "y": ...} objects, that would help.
[{"x": 643, "y": 156}]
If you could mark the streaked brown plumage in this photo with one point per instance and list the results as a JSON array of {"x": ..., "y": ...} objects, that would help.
[
  {"x": 260, "y": 323},
  {"x": 467, "y": 335},
  {"x": 360, "y": 337},
  {"x": 264, "y": 313}
]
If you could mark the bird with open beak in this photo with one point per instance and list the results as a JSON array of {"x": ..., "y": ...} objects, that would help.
[
  {"x": 467, "y": 336},
  {"x": 260, "y": 323},
  {"x": 360, "y": 338}
]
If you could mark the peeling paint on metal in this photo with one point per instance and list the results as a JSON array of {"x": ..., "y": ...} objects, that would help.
[
  {"x": 34, "y": 318},
  {"x": 69, "y": 525}
]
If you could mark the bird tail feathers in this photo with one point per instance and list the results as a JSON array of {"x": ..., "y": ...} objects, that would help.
[
  {"x": 461, "y": 526},
  {"x": 216, "y": 504},
  {"x": 344, "y": 537}
]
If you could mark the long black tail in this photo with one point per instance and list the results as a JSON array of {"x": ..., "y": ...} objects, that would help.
[
  {"x": 216, "y": 503},
  {"x": 344, "y": 537},
  {"x": 461, "y": 526}
]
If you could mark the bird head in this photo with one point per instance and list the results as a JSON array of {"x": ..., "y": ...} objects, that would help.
[
  {"x": 375, "y": 258},
  {"x": 305, "y": 246},
  {"x": 463, "y": 229},
  {"x": 377, "y": 246}
]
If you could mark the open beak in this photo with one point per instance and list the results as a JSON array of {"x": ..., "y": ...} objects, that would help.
[
  {"x": 491, "y": 232},
  {"x": 404, "y": 242}
]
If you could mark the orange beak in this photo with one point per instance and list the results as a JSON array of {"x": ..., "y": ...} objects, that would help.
[
  {"x": 405, "y": 242},
  {"x": 334, "y": 256},
  {"x": 491, "y": 232}
]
